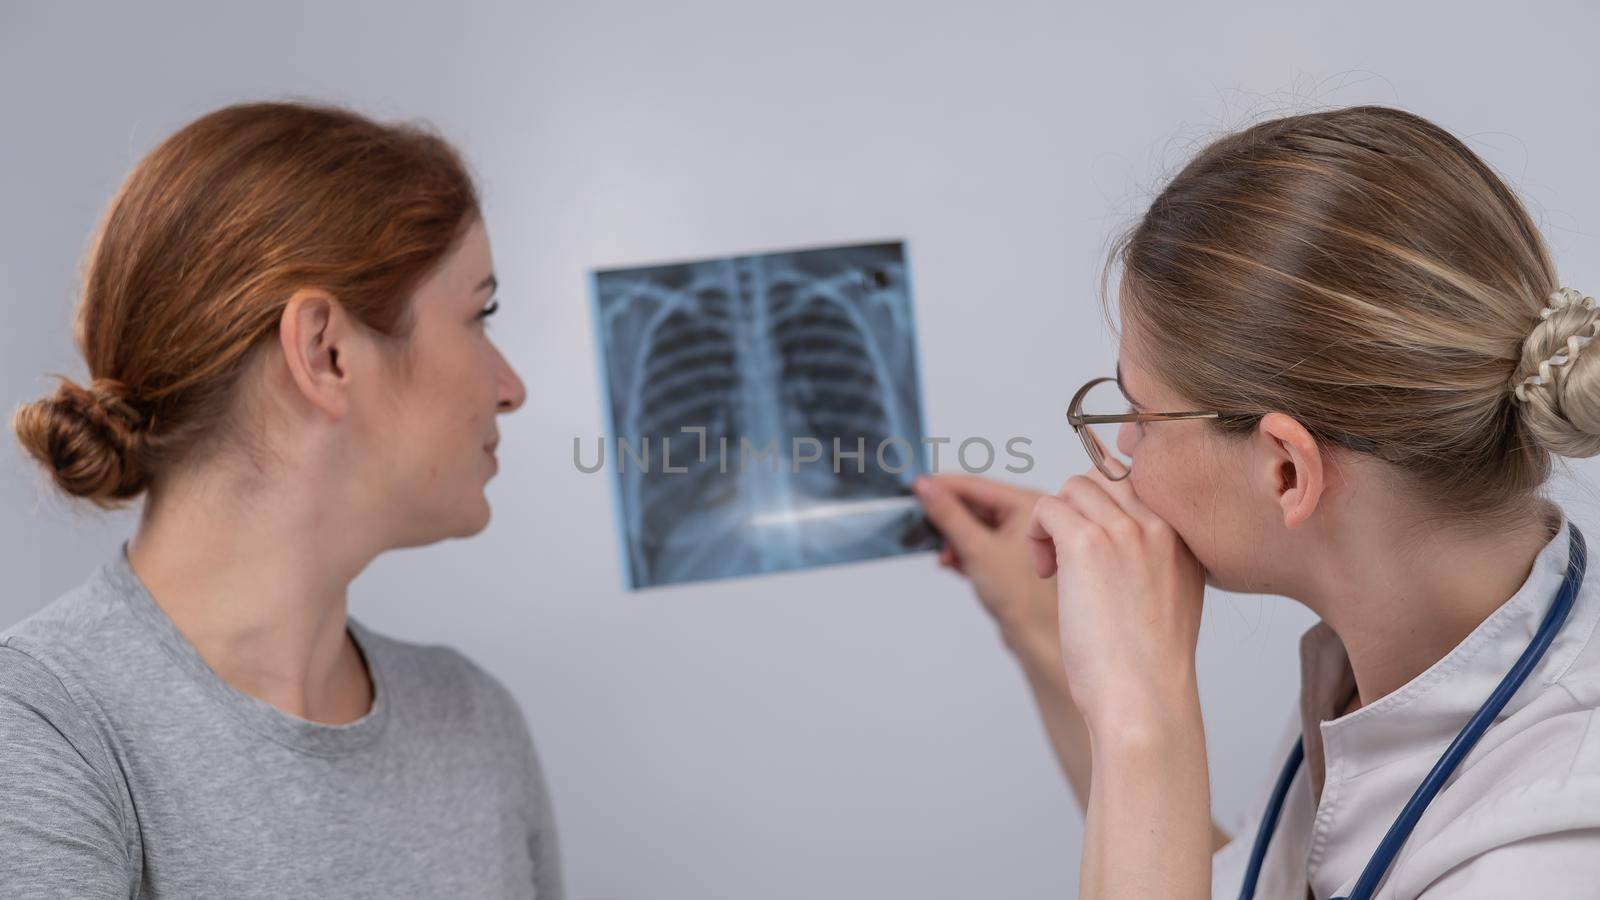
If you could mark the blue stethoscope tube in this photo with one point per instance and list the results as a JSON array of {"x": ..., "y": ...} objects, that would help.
[{"x": 1389, "y": 847}]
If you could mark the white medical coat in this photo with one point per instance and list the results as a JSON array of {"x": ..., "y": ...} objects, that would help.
[{"x": 1519, "y": 818}]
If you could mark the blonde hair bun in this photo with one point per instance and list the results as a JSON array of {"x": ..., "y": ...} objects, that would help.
[{"x": 1560, "y": 396}]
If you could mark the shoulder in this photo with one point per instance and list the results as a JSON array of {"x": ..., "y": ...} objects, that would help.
[
  {"x": 1536, "y": 838},
  {"x": 56, "y": 766},
  {"x": 30, "y": 688},
  {"x": 42, "y": 717},
  {"x": 55, "y": 658},
  {"x": 1551, "y": 864},
  {"x": 74, "y": 625},
  {"x": 64, "y": 670},
  {"x": 1529, "y": 809}
]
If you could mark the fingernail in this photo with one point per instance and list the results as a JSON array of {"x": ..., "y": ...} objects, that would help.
[{"x": 923, "y": 485}]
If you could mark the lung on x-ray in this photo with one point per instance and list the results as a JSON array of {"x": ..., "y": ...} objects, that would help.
[{"x": 764, "y": 412}]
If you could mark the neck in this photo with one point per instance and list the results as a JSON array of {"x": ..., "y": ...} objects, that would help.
[
  {"x": 1403, "y": 613},
  {"x": 260, "y": 592}
]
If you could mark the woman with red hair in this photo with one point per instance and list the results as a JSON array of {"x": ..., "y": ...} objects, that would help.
[{"x": 284, "y": 322}]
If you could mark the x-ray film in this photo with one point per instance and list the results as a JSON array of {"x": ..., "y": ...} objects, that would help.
[{"x": 764, "y": 412}]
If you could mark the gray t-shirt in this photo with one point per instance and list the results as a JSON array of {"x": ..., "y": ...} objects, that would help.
[{"x": 129, "y": 768}]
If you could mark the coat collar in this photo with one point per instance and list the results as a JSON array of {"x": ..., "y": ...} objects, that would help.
[
  {"x": 1409, "y": 727},
  {"x": 1433, "y": 707}
]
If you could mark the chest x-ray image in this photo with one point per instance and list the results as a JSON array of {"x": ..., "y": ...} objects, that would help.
[{"x": 764, "y": 412}]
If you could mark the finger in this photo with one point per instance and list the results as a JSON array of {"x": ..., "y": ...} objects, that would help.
[
  {"x": 995, "y": 498},
  {"x": 1094, "y": 502},
  {"x": 1121, "y": 491},
  {"x": 944, "y": 508},
  {"x": 951, "y": 559},
  {"x": 1052, "y": 518}
]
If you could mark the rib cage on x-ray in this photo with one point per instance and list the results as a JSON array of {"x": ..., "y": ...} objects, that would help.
[{"x": 758, "y": 351}]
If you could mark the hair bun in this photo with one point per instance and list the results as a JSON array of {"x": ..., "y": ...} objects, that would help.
[
  {"x": 1560, "y": 398},
  {"x": 90, "y": 438}
]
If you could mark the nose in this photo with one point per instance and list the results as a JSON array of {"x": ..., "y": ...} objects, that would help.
[
  {"x": 1127, "y": 437},
  {"x": 510, "y": 393}
]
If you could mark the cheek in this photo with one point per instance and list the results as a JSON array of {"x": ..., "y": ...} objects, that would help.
[
  {"x": 1167, "y": 473},
  {"x": 428, "y": 430},
  {"x": 452, "y": 389},
  {"x": 1192, "y": 483},
  {"x": 445, "y": 411}
]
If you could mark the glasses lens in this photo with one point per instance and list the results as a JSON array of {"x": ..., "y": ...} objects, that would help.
[{"x": 1107, "y": 399}]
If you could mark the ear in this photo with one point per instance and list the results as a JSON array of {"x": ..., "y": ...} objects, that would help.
[
  {"x": 1295, "y": 466},
  {"x": 318, "y": 340}
]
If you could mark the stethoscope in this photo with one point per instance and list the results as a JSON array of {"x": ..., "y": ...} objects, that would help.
[{"x": 1389, "y": 847}]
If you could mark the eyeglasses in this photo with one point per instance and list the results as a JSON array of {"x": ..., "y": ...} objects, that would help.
[{"x": 1097, "y": 453}]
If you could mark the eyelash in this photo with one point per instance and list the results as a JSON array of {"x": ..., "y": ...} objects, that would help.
[{"x": 486, "y": 312}]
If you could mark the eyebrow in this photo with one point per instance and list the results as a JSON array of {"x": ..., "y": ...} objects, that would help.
[
  {"x": 492, "y": 283},
  {"x": 1124, "y": 385}
]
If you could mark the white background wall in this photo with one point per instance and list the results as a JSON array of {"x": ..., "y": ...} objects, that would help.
[{"x": 853, "y": 732}]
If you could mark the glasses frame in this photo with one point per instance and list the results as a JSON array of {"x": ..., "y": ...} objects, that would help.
[{"x": 1080, "y": 423}]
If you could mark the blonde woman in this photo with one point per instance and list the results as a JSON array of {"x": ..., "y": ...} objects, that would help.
[
  {"x": 1347, "y": 362},
  {"x": 284, "y": 322}
]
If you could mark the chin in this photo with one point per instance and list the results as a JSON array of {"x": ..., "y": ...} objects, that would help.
[
  {"x": 457, "y": 510},
  {"x": 461, "y": 521},
  {"x": 478, "y": 515}
]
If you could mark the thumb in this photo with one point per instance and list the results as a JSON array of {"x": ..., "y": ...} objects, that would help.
[{"x": 949, "y": 514}]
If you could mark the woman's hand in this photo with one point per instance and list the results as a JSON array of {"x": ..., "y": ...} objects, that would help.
[
  {"x": 1130, "y": 596},
  {"x": 985, "y": 526}
]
